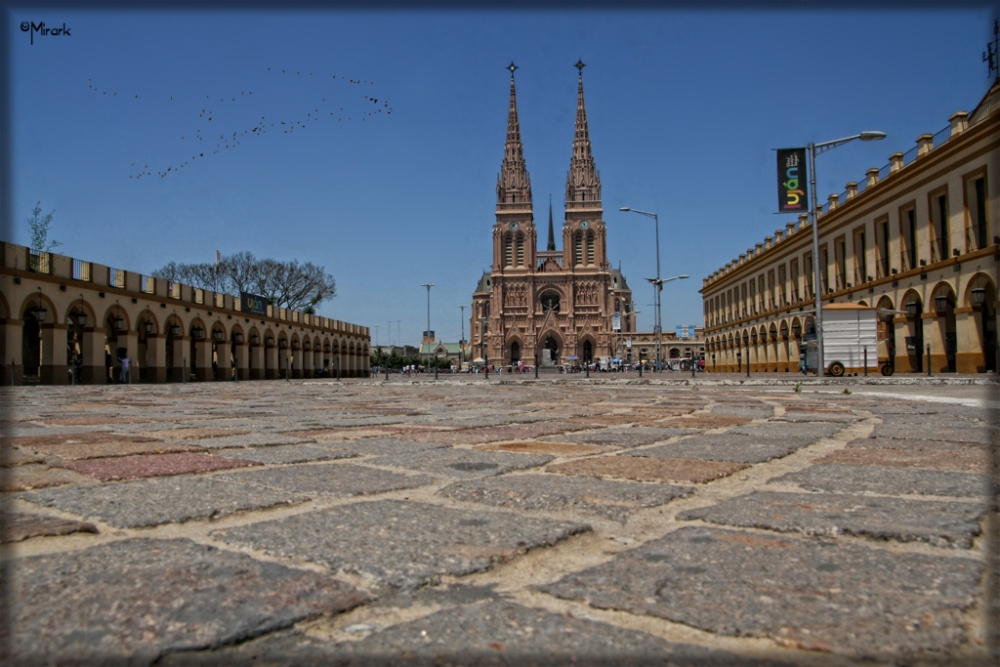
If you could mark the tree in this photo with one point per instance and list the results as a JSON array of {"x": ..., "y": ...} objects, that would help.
[
  {"x": 39, "y": 226},
  {"x": 283, "y": 284}
]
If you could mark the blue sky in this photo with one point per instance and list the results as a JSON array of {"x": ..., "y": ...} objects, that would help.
[{"x": 685, "y": 107}]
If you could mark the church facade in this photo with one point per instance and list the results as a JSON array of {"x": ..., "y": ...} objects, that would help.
[{"x": 554, "y": 306}]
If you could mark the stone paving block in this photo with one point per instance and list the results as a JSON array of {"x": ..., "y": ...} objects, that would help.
[
  {"x": 53, "y": 437},
  {"x": 491, "y": 633},
  {"x": 152, "y": 465},
  {"x": 18, "y": 456},
  {"x": 648, "y": 469},
  {"x": 127, "y": 602},
  {"x": 824, "y": 416},
  {"x": 969, "y": 433},
  {"x": 18, "y": 526},
  {"x": 807, "y": 593},
  {"x": 91, "y": 420},
  {"x": 462, "y": 462},
  {"x": 193, "y": 433},
  {"x": 402, "y": 544},
  {"x": 379, "y": 446},
  {"x": 150, "y": 502},
  {"x": 475, "y": 436},
  {"x": 705, "y": 421},
  {"x": 735, "y": 447},
  {"x": 338, "y": 434},
  {"x": 749, "y": 410},
  {"x": 36, "y": 476},
  {"x": 807, "y": 433},
  {"x": 888, "y": 480},
  {"x": 941, "y": 523},
  {"x": 954, "y": 457},
  {"x": 284, "y": 454},
  {"x": 248, "y": 440},
  {"x": 610, "y": 499},
  {"x": 541, "y": 447},
  {"x": 110, "y": 447},
  {"x": 624, "y": 436},
  {"x": 332, "y": 479}
]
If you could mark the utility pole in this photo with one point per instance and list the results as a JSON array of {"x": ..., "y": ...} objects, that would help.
[
  {"x": 428, "y": 286},
  {"x": 461, "y": 341}
]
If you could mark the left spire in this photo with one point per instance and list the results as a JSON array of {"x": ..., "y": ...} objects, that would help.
[{"x": 513, "y": 183}]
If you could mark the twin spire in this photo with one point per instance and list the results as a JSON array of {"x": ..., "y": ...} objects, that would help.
[{"x": 583, "y": 183}]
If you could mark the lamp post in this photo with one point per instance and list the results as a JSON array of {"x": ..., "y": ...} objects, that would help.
[
  {"x": 814, "y": 150},
  {"x": 482, "y": 345},
  {"x": 656, "y": 221},
  {"x": 461, "y": 341},
  {"x": 658, "y": 286},
  {"x": 428, "y": 286}
]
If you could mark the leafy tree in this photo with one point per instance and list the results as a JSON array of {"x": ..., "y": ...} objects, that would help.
[
  {"x": 283, "y": 284},
  {"x": 39, "y": 224}
]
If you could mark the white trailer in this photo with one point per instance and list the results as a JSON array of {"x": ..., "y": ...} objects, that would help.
[{"x": 850, "y": 341}]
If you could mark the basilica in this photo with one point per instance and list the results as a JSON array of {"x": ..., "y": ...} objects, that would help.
[{"x": 550, "y": 307}]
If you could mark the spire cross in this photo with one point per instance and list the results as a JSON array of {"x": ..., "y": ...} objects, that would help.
[
  {"x": 579, "y": 65},
  {"x": 990, "y": 55},
  {"x": 512, "y": 67}
]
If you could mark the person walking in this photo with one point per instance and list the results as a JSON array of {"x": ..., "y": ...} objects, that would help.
[{"x": 125, "y": 367}]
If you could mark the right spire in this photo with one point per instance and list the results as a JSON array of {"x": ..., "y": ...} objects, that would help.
[
  {"x": 583, "y": 184},
  {"x": 552, "y": 233}
]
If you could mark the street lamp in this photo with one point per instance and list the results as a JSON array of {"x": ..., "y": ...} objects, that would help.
[
  {"x": 658, "y": 286},
  {"x": 428, "y": 286},
  {"x": 814, "y": 150},
  {"x": 656, "y": 220},
  {"x": 461, "y": 341}
]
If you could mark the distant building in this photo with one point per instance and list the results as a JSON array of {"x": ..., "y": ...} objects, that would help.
[
  {"x": 919, "y": 240},
  {"x": 556, "y": 306}
]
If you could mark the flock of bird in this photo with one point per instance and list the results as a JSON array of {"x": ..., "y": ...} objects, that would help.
[{"x": 259, "y": 127}]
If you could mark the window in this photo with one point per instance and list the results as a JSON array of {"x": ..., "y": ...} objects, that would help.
[
  {"x": 590, "y": 247},
  {"x": 520, "y": 249},
  {"x": 743, "y": 300},
  {"x": 793, "y": 269},
  {"x": 550, "y": 301},
  {"x": 782, "y": 286},
  {"x": 840, "y": 263},
  {"x": 940, "y": 247},
  {"x": 770, "y": 289},
  {"x": 753, "y": 297},
  {"x": 824, "y": 270},
  {"x": 882, "y": 267},
  {"x": 908, "y": 236},
  {"x": 810, "y": 275},
  {"x": 860, "y": 256},
  {"x": 508, "y": 253},
  {"x": 578, "y": 248},
  {"x": 977, "y": 234}
]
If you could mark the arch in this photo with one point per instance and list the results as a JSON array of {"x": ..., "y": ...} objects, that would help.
[
  {"x": 79, "y": 306},
  {"x": 913, "y": 353},
  {"x": 551, "y": 347},
  {"x": 549, "y": 297},
  {"x": 4, "y": 307},
  {"x": 146, "y": 316},
  {"x": 515, "y": 349},
  {"x": 587, "y": 350},
  {"x": 979, "y": 280}
]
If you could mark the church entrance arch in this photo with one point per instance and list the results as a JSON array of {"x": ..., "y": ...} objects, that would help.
[
  {"x": 588, "y": 352},
  {"x": 550, "y": 351},
  {"x": 515, "y": 352}
]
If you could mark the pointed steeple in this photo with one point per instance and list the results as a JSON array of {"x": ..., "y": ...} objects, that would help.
[
  {"x": 583, "y": 184},
  {"x": 552, "y": 234},
  {"x": 513, "y": 184}
]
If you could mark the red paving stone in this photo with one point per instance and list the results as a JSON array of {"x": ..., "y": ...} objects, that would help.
[
  {"x": 969, "y": 459},
  {"x": 647, "y": 469},
  {"x": 110, "y": 448},
  {"x": 195, "y": 433},
  {"x": 153, "y": 465},
  {"x": 33, "y": 476}
]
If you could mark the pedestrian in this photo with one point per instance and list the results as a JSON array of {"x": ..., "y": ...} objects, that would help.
[
  {"x": 125, "y": 367},
  {"x": 803, "y": 359}
]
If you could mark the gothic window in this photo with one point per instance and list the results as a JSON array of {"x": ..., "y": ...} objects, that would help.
[
  {"x": 578, "y": 247},
  {"x": 550, "y": 301},
  {"x": 508, "y": 254},
  {"x": 520, "y": 249},
  {"x": 590, "y": 247}
]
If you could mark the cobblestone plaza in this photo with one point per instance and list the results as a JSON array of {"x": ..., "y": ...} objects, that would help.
[{"x": 565, "y": 521}]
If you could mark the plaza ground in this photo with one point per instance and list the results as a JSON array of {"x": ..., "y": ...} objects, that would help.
[{"x": 669, "y": 521}]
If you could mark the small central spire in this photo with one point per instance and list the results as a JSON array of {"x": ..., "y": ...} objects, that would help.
[{"x": 552, "y": 233}]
